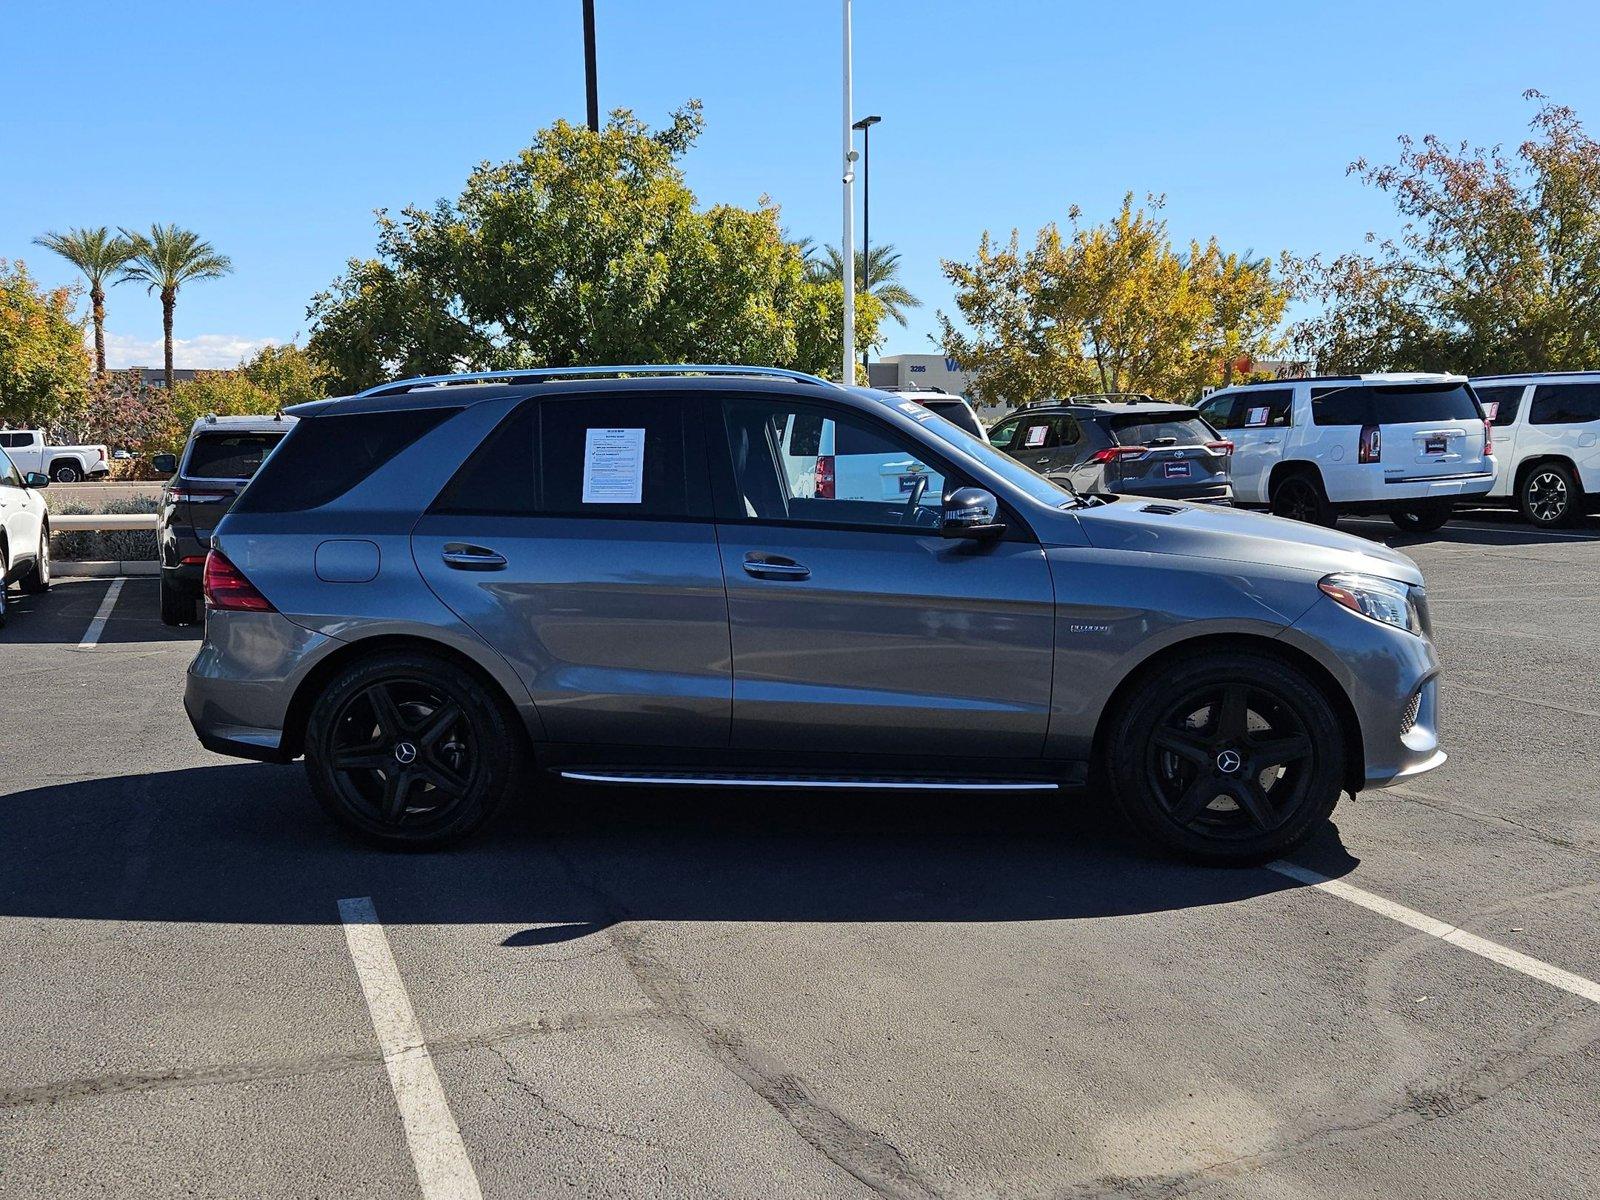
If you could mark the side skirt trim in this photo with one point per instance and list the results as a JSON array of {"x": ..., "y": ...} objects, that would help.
[{"x": 803, "y": 782}]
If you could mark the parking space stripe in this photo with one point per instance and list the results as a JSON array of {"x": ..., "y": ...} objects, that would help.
[
  {"x": 101, "y": 616},
  {"x": 443, "y": 1169},
  {"x": 1534, "y": 968}
]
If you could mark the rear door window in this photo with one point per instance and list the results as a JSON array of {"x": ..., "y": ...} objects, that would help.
[
  {"x": 229, "y": 455},
  {"x": 1564, "y": 404},
  {"x": 1500, "y": 404},
  {"x": 1392, "y": 405}
]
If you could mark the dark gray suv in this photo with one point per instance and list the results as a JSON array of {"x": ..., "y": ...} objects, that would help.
[
  {"x": 440, "y": 588},
  {"x": 1137, "y": 449},
  {"x": 220, "y": 457}
]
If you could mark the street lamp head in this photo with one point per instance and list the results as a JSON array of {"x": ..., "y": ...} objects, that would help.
[{"x": 866, "y": 123}]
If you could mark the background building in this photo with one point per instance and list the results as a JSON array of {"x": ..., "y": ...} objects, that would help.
[{"x": 919, "y": 370}]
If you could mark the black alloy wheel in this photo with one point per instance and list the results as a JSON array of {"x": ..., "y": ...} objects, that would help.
[
  {"x": 1300, "y": 498},
  {"x": 410, "y": 751},
  {"x": 1230, "y": 758}
]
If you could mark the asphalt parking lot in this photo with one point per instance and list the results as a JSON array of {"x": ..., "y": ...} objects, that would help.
[{"x": 206, "y": 991}]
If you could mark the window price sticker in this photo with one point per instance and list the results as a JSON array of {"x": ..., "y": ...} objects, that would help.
[{"x": 613, "y": 466}]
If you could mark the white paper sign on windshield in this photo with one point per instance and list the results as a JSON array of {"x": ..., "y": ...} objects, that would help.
[{"x": 613, "y": 466}]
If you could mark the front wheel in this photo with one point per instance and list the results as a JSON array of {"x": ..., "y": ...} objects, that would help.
[
  {"x": 1301, "y": 498},
  {"x": 411, "y": 751},
  {"x": 1426, "y": 517},
  {"x": 1226, "y": 758},
  {"x": 37, "y": 580},
  {"x": 1548, "y": 496}
]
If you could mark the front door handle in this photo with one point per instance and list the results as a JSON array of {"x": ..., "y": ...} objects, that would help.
[
  {"x": 463, "y": 557},
  {"x": 774, "y": 566},
  {"x": 1039, "y": 462}
]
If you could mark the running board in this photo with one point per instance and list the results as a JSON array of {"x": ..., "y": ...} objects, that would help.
[{"x": 883, "y": 783}]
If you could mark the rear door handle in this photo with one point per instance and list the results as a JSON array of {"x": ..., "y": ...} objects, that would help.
[
  {"x": 774, "y": 566},
  {"x": 472, "y": 558}
]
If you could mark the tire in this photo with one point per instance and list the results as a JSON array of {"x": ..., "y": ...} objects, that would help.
[
  {"x": 1425, "y": 517},
  {"x": 465, "y": 751},
  {"x": 177, "y": 606},
  {"x": 1300, "y": 497},
  {"x": 1549, "y": 496},
  {"x": 1166, "y": 757},
  {"x": 5, "y": 599},
  {"x": 65, "y": 472},
  {"x": 37, "y": 579}
]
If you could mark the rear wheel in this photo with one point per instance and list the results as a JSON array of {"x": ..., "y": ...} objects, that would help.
[
  {"x": 5, "y": 565},
  {"x": 1424, "y": 517},
  {"x": 1228, "y": 758},
  {"x": 1300, "y": 497},
  {"x": 38, "y": 579},
  {"x": 178, "y": 607},
  {"x": 1549, "y": 496},
  {"x": 411, "y": 751},
  {"x": 65, "y": 472}
]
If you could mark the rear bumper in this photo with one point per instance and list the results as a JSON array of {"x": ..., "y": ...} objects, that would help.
[
  {"x": 187, "y": 578},
  {"x": 240, "y": 684}
]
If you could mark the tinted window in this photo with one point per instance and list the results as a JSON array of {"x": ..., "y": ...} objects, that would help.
[
  {"x": 322, "y": 458},
  {"x": 1564, "y": 403},
  {"x": 229, "y": 455},
  {"x": 1137, "y": 430},
  {"x": 1262, "y": 408},
  {"x": 875, "y": 478},
  {"x": 1046, "y": 433},
  {"x": 957, "y": 413},
  {"x": 8, "y": 472},
  {"x": 1005, "y": 433},
  {"x": 618, "y": 455},
  {"x": 1392, "y": 405},
  {"x": 1500, "y": 404},
  {"x": 500, "y": 477},
  {"x": 8, "y": 439}
]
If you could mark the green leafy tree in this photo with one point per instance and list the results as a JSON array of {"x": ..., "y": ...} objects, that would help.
[
  {"x": 44, "y": 367},
  {"x": 99, "y": 254},
  {"x": 164, "y": 260},
  {"x": 287, "y": 373},
  {"x": 882, "y": 275},
  {"x": 1112, "y": 307},
  {"x": 1496, "y": 267},
  {"x": 585, "y": 248}
]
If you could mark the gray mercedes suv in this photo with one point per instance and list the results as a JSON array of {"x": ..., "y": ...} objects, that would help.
[{"x": 441, "y": 589}]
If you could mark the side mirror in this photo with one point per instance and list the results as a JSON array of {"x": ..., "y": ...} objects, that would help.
[
  {"x": 165, "y": 464},
  {"x": 971, "y": 512},
  {"x": 36, "y": 480}
]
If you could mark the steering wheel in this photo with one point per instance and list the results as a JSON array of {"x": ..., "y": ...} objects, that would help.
[{"x": 912, "y": 514}]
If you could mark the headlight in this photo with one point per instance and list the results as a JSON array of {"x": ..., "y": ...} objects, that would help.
[{"x": 1375, "y": 598}]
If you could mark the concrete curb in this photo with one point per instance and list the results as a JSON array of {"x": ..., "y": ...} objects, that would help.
[{"x": 102, "y": 570}]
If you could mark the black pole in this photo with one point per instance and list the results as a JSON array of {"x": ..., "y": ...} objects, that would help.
[
  {"x": 588, "y": 65},
  {"x": 866, "y": 220}
]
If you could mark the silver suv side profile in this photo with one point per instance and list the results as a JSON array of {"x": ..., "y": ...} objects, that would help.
[{"x": 441, "y": 590}]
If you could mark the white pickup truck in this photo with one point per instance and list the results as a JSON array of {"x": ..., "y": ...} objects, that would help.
[{"x": 64, "y": 464}]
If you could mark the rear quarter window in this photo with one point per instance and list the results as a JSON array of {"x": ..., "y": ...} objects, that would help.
[
  {"x": 322, "y": 458},
  {"x": 1565, "y": 404}
]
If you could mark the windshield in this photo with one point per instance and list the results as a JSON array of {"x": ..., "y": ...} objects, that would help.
[
  {"x": 228, "y": 455},
  {"x": 1141, "y": 430}
]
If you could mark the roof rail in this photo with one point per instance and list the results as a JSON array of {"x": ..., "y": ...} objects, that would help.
[
  {"x": 912, "y": 387},
  {"x": 1111, "y": 398},
  {"x": 539, "y": 374},
  {"x": 1532, "y": 374}
]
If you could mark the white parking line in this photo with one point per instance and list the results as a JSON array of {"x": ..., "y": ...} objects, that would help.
[
  {"x": 443, "y": 1169},
  {"x": 102, "y": 615},
  {"x": 1456, "y": 936}
]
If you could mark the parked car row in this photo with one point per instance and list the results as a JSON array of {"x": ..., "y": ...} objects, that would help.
[
  {"x": 29, "y": 450},
  {"x": 1412, "y": 446}
]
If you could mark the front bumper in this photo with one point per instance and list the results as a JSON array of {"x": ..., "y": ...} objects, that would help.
[{"x": 1391, "y": 678}]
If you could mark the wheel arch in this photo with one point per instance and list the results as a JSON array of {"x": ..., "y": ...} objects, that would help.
[
  {"x": 1549, "y": 458},
  {"x": 1290, "y": 467},
  {"x": 1320, "y": 676},
  {"x": 316, "y": 680},
  {"x": 71, "y": 460}
]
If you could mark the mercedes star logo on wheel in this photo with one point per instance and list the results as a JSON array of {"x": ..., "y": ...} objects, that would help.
[
  {"x": 1227, "y": 762},
  {"x": 405, "y": 752}
]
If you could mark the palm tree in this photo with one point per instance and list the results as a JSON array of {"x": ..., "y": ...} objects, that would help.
[
  {"x": 882, "y": 275},
  {"x": 97, "y": 253},
  {"x": 167, "y": 259}
]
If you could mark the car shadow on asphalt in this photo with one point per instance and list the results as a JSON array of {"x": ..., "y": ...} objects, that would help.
[
  {"x": 63, "y": 615},
  {"x": 246, "y": 844}
]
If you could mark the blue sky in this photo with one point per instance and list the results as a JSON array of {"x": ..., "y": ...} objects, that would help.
[{"x": 274, "y": 129}]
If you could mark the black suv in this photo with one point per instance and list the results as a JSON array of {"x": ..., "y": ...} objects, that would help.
[
  {"x": 1142, "y": 448},
  {"x": 219, "y": 459}
]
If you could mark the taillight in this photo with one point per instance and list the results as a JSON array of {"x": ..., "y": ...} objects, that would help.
[
  {"x": 102, "y": 454},
  {"x": 1488, "y": 437},
  {"x": 1112, "y": 453},
  {"x": 189, "y": 496},
  {"x": 227, "y": 589},
  {"x": 1371, "y": 444},
  {"x": 824, "y": 477},
  {"x": 1220, "y": 447}
]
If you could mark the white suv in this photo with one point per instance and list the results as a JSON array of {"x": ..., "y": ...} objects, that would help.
[
  {"x": 24, "y": 531},
  {"x": 1409, "y": 445},
  {"x": 1547, "y": 437}
]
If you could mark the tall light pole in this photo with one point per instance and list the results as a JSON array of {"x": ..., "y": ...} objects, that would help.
[
  {"x": 848, "y": 240},
  {"x": 865, "y": 125},
  {"x": 588, "y": 66}
]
